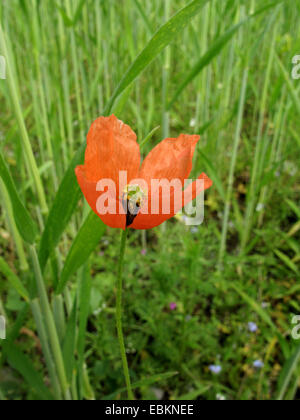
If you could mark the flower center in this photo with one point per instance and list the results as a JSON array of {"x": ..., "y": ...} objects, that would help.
[{"x": 132, "y": 200}]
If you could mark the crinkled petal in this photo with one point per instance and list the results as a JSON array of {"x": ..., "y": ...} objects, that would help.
[
  {"x": 177, "y": 199},
  {"x": 89, "y": 189},
  {"x": 111, "y": 148},
  {"x": 170, "y": 159}
]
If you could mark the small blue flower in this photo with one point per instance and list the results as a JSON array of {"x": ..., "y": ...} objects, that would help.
[
  {"x": 252, "y": 327},
  {"x": 215, "y": 369},
  {"x": 194, "y": 230},
  {"x": 258, "y": 364}
]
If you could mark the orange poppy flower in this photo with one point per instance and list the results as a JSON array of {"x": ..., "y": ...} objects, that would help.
[{"x": 136, "y": 201}]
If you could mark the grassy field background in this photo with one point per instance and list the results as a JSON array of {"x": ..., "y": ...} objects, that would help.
[{"x": 225, "y": 73}]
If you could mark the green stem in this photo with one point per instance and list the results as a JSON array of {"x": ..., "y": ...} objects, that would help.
[{"x": 119, "y": 314}]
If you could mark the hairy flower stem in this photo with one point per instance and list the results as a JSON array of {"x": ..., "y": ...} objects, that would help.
[{"x": 119, "y": 314}]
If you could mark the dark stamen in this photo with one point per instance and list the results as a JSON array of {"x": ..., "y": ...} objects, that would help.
[
  {"x": 132, "y": 200},
  {"x": 132, "y": 209}
]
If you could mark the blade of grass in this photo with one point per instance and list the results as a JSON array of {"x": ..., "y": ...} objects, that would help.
[
  {"x": 24, "y": 366},
  {"x": 205, "y": 60},
  {"x": 37, "y": 314},
  {"x": 10, "y": 220},
  {"x": 63, "y": 207},
  {"x": 213, "y": 51},
  {"x": 24, "y": 222},
  {"x": 144, "y": 16},
  {"x": 158, "y": 42},
  {"x": 84, "y": 294},
  {"x": 287, "y": 261},
  {"x": 69, "y": 343},
  {"x": 13, "y": 279},
  {"x": 149, "y": 136},
  {"x": 287, "y": 373},
  {"x": 50, "y": 324},
  {"x": 31, "y": 162}
]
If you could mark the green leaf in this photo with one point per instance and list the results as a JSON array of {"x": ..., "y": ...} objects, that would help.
[
  {"x": 157, "y": 43},
  {"x": 149, "y": 136},
  {"x": 24, "y": 366},
  {"x": 143, "y": 382},
  {"x": 83, "y": 245},
  {"x": 70, "y": 343},
  {"x": 24, "y": 222},
  {"x": 42, "y": 169},
  {"x": 63, "y": 207},
  {"x": 13, "y": 279},
  {"x": 287, "y": 373},
  {"x": 287, "y": 261}
]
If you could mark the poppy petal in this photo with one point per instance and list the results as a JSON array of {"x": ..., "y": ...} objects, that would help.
[
  {"x": 177, "y": 201},
  {"x": 89, "y": 189},
  {"x": 170, "y": 159},
  {"x": 111, "y": 148}
]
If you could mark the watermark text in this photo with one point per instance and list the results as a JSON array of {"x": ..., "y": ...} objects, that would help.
[
  {"x": 2, "y": 67},
  {"x": 2, "y": 328},
  {"x": 296, "y": 329},
  {"x": 296, "y": 67}
]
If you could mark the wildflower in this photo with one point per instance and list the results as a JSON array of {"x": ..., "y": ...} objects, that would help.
[
  {"x": 215, "y": 369},
  {"x": 194, "y": 230},
  {"x": 143, "y": 251},
  {"x": 220, "y": 397},
  {"x": 258, "y": 364},
  {"x": 112, "y": 150},
  {"x": 173, "y": 306},
  {"x": 252, "y": 327}
]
